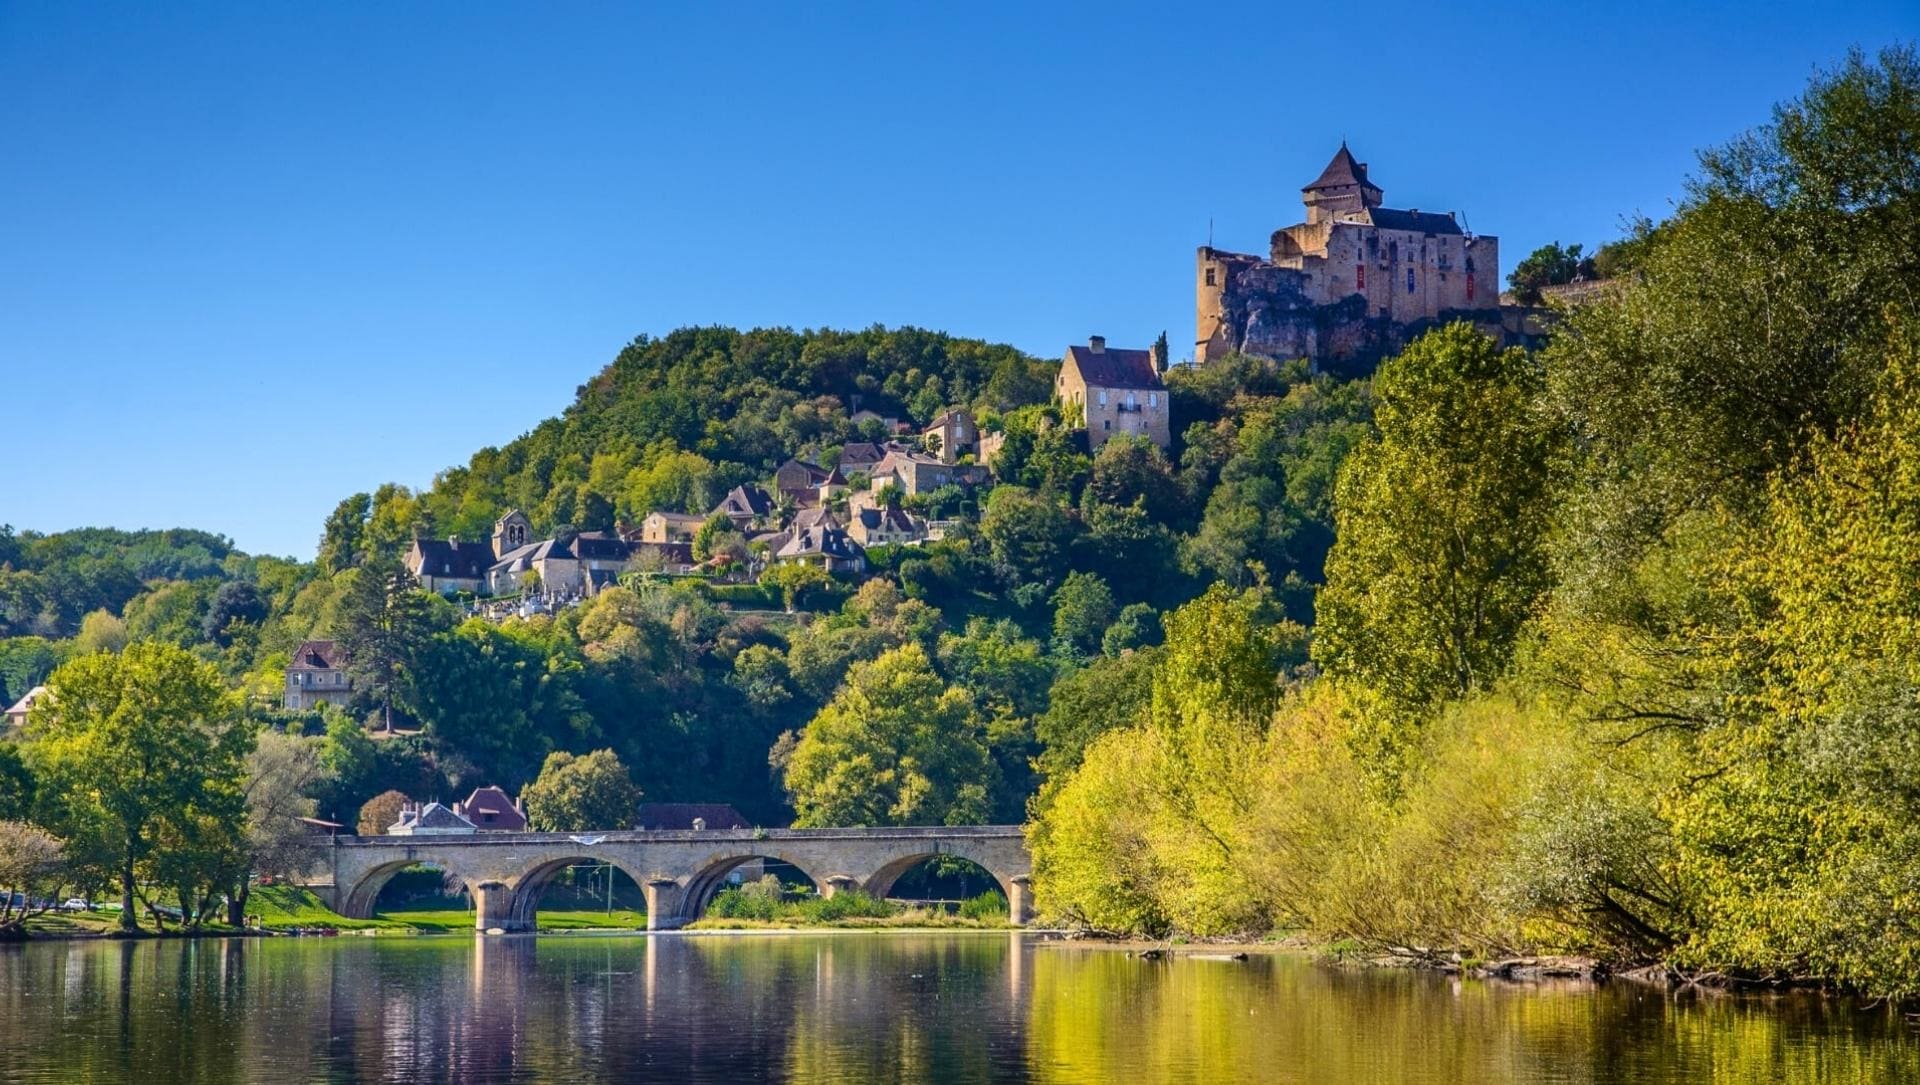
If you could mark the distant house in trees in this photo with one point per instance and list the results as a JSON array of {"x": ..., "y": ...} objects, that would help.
[
  {"x": 432, "y": 819},
  {"x": 951, "y": 434},
  {"x": 450, "y": 565},
  {"x": 661, "y": 526},
  {"x": 830, "y": 547},
  {"x": 316, "y": 676},
  {"x": 858, "y": 456},
  {"x": 808, "y": 484},
  {"x": 918, "y": 472},
  {"x": 878, "y": 526},
  {"x": 1107, "y": 392},
  {"x": 571, "y": 564},
  {"x": 491, "y": 811},
  {"x": 746, "y": 506},
  {"x": 17, "y": 715}
]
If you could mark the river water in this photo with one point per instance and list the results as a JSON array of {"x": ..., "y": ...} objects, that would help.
[{"x": 879, "y": 1007}]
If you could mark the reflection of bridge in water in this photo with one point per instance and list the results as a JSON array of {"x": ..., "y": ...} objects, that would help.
[{"x": 679, "y": 870}]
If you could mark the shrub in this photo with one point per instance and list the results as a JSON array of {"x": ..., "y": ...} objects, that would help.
[{"x": 988, "y": 907}]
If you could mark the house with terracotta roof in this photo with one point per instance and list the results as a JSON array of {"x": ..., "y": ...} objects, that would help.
[
  {"x": 1112, "y": 391},
  {"x": 492, "y": 811},
  {"x": 317, "y": 675}
]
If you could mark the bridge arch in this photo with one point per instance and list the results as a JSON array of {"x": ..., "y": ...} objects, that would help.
[
  {"x": 523, "y": 908},
  {"x": 880, "y": 882},
  {"x": 711, "y": 876},
  {"x": 357, "y": 901}
]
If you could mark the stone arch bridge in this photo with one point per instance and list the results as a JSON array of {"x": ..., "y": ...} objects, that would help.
[{"x": 679, "y": 870}]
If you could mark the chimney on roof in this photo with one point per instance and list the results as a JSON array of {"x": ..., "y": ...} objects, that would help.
[{"x": 1097, "y": 344}]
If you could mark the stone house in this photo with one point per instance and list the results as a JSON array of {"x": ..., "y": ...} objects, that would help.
[
  {"x": 491, "y": 811},
  {"x": 828, "y": 546},
  {"x": 876, "y": 526},
  {"x": 918, "y": 472},
  {"x": 1108, "y": 392},
  {"x": 951, "y": 434},
  {"x": 661, "y": 526},
  {"x": 1352, "y": 283},
  {"x": 317, "y": 675},
  {"x": 450, "y": 565},
  {"x": 572, "y": 564}
]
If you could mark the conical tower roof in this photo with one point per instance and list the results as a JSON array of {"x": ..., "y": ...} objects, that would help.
[{"x": 1342, "y": 172}]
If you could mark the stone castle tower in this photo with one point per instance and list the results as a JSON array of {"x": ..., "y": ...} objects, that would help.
[{"x": 1349, "y": 285}]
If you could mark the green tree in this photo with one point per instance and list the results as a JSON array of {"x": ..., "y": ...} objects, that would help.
[
  {"x": 896, "y": 746},
  {"x": 578, "y": 793},
  {"x": 797, "y": 581},
  {"x": 236, "y": 602},
  {"x": 1028, "y": 534},
  {"x": 714, "y": 536},
  {"x": 343, "y": 540},
  {"x": 136, "y": 748},
  {"x": 100, "y": 631},
  {"x": 1441, "y": 552},
  {"x": 1082, "y": 610},
  {"x": 382, "y": 624},
  {"x": 16, "y": 784},
  {"x": 1552, "y": 264}
]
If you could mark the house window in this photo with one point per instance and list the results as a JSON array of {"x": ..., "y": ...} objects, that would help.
[
  {"x": 1103, "y": 397},
  {"x": 1107, "y": 424},
  {"x": 1153, "y": 399},
  {"x": 1209, "y": 276}
]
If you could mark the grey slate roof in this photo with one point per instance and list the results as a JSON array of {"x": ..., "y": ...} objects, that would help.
[
  {"x": 826, "y": 541},
  {"x": 443, "y": 557},
  {"x": 1116, "y": 368},
  {"x": 747, "y": 500},
  {"x": 1425, "y": 222}
]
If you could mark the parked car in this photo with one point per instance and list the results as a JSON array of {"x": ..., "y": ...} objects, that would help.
[{"x": 76, "y": 904}]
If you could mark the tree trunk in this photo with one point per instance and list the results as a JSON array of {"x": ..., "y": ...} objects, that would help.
[
  {"x": 237, "y": 905},
  {"x": 128, "y": 921}
]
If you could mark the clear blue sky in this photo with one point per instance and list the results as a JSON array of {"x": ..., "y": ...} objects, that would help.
[{"x": 255, "y": 257}]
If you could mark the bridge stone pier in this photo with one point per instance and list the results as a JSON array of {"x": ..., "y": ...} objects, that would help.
[{"x": 679, "y": 870}]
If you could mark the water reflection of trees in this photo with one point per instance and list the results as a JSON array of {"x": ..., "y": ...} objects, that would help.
[
  {"x": 1102, "y": 1016},
  {"x": 860, "y": 1008}
]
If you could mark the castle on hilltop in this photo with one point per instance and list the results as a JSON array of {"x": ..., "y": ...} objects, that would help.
[{"x": 1351, "y": 284}]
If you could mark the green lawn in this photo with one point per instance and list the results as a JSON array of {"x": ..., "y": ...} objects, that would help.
[{"x": 282, "y": 907}]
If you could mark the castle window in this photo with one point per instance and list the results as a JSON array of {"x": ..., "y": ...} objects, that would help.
[
  {"x": 1409, "y": 280},
  {"x": 1209, "y": 276}
]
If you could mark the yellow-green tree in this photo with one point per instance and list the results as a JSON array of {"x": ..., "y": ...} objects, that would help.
[
  {"x": 135, "y": 749},
  {"x": 896, "y": 746},
  {"x": 1441, "y": 520}
]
